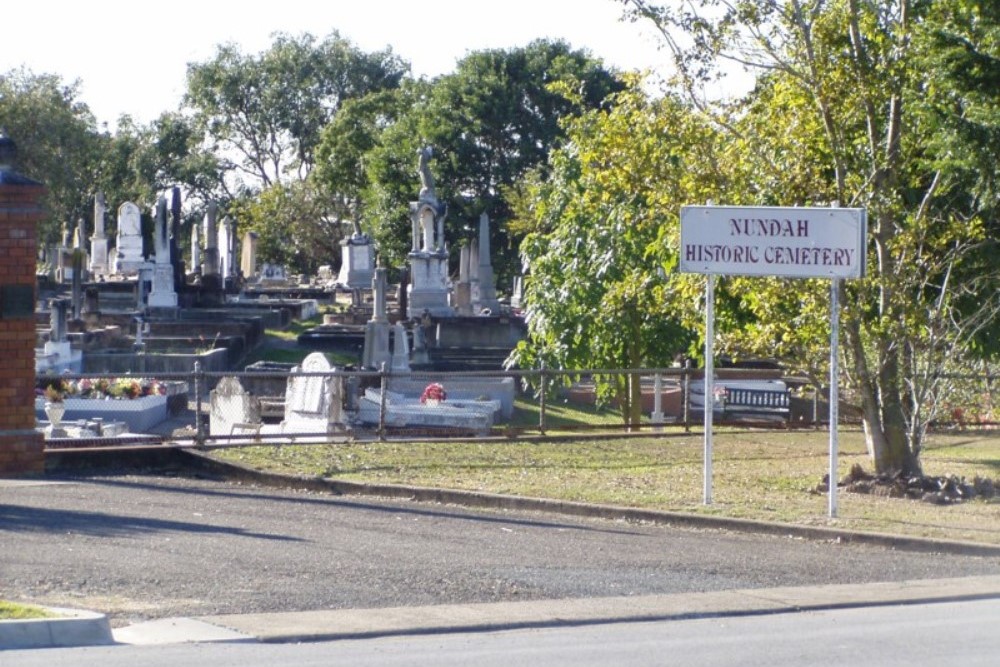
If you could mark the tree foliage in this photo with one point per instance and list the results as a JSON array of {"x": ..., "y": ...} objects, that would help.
[
  {"x": 605, "y": 214},
  {"x": 57, "y": 141},
  {"x": 264, "y": 113},
  {"x": 491, "y": 121},
  {"x": 855, "y": 104}
]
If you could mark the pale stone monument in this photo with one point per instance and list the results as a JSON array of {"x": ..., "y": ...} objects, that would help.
[
  {"x": 357, "y": 266},
  {"x": 376, "y": 349},
  {"x": 99, "y": 241},
  {"x": 233, "y": 410},
  {"x": 210, "y": 263},
  {"x": 248, "y": 256},
  {"x": 400, "y": 349},
  {"x": 484, "y": 291},
  {"x": 273, "y": 273},
  {"x": 225, "y": 245},
  {"x": 195, "y": 249},
  {"x": 75, "y": 259},
  {"x": 462, "y": 296},
  {"x": 128, "y": 250},
  {"x": 162, "y": 294},
  {"x": 429, "y": 288},
  {"x": 517, "y": 292},
  {"x": 314, "y": 403}
]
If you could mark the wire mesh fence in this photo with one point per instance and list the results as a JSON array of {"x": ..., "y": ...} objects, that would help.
[{"x": 274, "y": 405}]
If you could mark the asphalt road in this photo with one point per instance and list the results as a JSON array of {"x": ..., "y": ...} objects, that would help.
[
  {"x": 148, "y": 547},
  {"x": 961, "y": 633}
]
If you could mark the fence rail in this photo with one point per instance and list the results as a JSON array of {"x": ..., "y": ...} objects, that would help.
[{"x": 207, "y": 409}]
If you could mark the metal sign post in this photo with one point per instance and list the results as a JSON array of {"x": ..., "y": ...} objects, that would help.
[
  {"x": 709, "y": 385},
  {"x": 834, "y": 393},
  {"x": 773, "y": 241}
]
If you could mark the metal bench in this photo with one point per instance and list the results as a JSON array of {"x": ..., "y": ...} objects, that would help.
[{"x": 740, "y": 401}]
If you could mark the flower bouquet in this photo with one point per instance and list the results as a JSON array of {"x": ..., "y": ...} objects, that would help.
[
  {"x": 121, "y": 389},
  {"x": 433, "y": 394}
]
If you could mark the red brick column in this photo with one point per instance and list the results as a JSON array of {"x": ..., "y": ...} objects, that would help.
[{"x": 21, "y": 447}]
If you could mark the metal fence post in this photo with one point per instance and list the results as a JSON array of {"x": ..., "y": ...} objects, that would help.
[
  {"x": 384, "y": 386},
  {"x": 686, "y": 396},
  {"x": 541, "y": 399},
  {"x": 816, "y": 393},
  {"x": 199, "y": 422}
]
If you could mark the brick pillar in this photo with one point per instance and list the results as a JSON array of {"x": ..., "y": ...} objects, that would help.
[{"x": 21, "y": 447}]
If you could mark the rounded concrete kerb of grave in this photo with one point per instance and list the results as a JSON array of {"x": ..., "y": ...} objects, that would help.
[{"x": 66, "y": 628}]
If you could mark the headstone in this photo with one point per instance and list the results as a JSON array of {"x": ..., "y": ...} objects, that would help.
[
  {"x": 57, "y": 352},
  {"x": 376, "y": 349},
  {"x": 210, "y": 263},
  {"x": 162, "y": 294},
  {"x": 420, "y": 354},
  {"x": 357, "y": 260},
  {"x": 313, "y": 404},
  {"x": 175, "y": 239},
  {"x": 273, "y": 273},
  {"x": 428, "y": 258},
  {"x": 195, "y": 249},
  {"x": 91, "y": 312},
  {"x": 248, "y": 256},
  {"x": 484, "y": 297},
  {"x": 403, "y": 293},
  {"x": 58, "y": 309},
  {"x": 232, "y": 408},
  {"x": 400, "y": 349},
  {"x": 91, "y": 300},
  {"x": 462, "y": 297},
  {"x": 161, "y": 242},
  {"x": 99, "y": 241},
  {"x": 225, "y": 245},
  {"x": 517, "y": 292},
  {"x": 128, "y": 250},
  {"x": 76, "y": 291}
]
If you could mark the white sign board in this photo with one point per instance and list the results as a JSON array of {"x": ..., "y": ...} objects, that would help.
[{"x": 773, "y": 241}]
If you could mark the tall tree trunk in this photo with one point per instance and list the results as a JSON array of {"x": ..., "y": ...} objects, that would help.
[
  {"x": 897, "y": 457},
  {"x": 881, "y": 407}
]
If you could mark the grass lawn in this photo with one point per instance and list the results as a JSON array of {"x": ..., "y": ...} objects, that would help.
[
  {"x": 11, "y": 611},
  {"x": 766, "y": 475},
  {"x": 280, "y": 345}
]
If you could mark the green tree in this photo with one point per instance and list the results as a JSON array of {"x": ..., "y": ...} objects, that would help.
[
  {"x": 490, "y": 122},
  {"x": 263, "y": 113},
  {"x": 852, "y": 119},
  {"x": 58, "y": 143},
  {"x": 294, "y": 226},
  {"x": 346, "y": 146},
  {"x": 605, "y": 215}
]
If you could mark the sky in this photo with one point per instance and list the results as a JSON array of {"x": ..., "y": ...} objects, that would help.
[{"x": 131, "y": 56}]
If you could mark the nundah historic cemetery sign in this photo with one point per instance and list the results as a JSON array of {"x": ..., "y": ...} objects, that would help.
[{"x": 772, "y": 241}]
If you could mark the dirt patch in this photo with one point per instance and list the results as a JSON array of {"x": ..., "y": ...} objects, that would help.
[{"x": 940, "y": 490}]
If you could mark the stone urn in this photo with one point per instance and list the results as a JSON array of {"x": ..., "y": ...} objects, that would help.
[{"x": 55, "y": 410}]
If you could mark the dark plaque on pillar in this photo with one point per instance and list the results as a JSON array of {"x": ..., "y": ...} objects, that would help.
[{"x": 17, "y": 301}]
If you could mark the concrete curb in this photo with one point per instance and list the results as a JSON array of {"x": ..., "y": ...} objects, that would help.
[
  {"x": 330, "y": 625},
  {"x": 236, "y": 472},
  {"x": 72, "y": 627}
]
